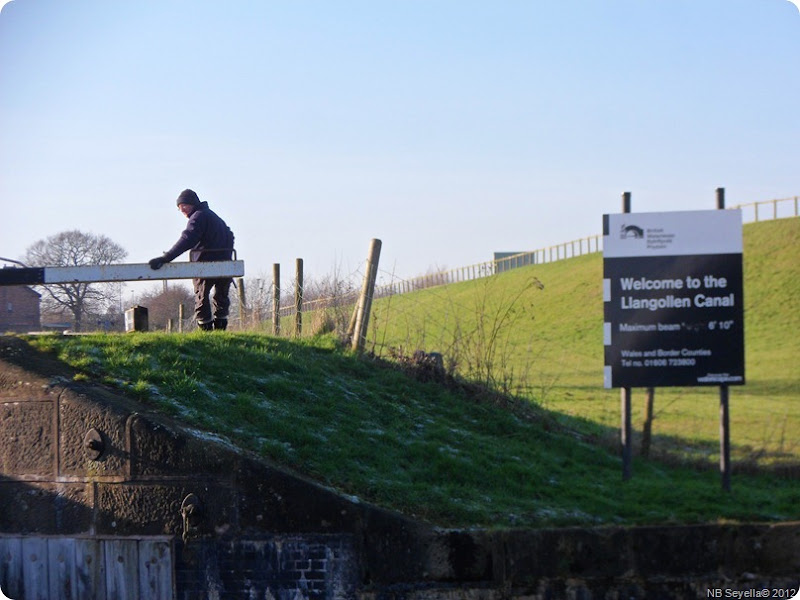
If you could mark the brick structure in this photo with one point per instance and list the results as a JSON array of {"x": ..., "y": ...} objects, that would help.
[
  {"x": 81, "y": 466},
  {"x": 19, "y": 309}
]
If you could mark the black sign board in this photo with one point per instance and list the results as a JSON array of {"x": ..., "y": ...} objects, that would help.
[{"x": 673, "y": 305}]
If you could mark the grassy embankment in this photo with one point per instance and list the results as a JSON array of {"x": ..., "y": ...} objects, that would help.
[
  {"x": 551, "y": 348},
  {"x": 460, "y": 459}
]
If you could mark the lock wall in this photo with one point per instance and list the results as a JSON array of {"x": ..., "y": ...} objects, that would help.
[{"x": 262, "y": 531}]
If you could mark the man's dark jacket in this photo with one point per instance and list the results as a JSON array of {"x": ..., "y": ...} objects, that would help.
[{"x": 206, "y": 235}]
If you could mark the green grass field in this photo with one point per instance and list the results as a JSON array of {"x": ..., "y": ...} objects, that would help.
[
  {"x": 550, "y": 349},
  {"x": 461, "y": 455}
]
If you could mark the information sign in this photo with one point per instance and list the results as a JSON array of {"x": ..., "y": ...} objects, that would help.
[{"x": 673, "y": 305}]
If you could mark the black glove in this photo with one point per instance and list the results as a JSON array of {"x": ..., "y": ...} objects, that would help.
[{"x": 156, "y": 263}]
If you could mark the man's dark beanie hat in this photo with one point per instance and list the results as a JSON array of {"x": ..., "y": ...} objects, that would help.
[{"x": 188, "y": 197}]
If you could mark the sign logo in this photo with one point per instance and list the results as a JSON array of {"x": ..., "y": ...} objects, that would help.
[{"x": 631, "y": 231}]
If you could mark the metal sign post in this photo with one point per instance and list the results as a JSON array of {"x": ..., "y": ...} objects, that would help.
[
  {"x": 625, "y": 398},
  {"x": 724, "y": 408}
]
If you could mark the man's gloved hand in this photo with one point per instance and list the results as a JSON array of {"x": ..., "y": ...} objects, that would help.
[{"x": 156, "y": 263}]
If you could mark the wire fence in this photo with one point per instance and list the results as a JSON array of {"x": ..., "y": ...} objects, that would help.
[
  {"x": 339, "y": 294},
  {"x": 751, "y": 212}
]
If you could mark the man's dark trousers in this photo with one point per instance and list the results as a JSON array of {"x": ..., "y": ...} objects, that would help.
[{"x": 212, "y": 313}]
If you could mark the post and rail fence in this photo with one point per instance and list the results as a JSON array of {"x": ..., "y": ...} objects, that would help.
[{"x": 751, "y": 212}]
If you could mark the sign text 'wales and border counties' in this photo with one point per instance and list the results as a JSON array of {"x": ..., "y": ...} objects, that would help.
[{"x": 672, "y": 296}]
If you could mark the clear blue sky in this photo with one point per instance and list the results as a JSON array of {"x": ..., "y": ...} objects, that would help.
[{"x": 449, "y": 129}]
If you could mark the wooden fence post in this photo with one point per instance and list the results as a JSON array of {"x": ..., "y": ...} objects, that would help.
[
  {"x": 364, "y": 305},
  {"x": 180, "y": 317},
  {"x": 298, "y": 298},
  {"x": 242, "y": 302},
  {"x": 276, "y": 299}
]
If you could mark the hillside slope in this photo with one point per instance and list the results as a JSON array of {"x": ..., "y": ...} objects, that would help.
[
  {"x": 550, "y": 349},
  {"x": 452, "y": 454}
]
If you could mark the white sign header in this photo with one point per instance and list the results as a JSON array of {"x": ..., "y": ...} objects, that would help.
[{"x": 678, "y": 233}]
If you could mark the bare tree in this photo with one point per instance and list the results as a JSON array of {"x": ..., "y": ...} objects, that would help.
[
  {"x": 71, "y": 249},
  {"x": 162, "y": 304}
]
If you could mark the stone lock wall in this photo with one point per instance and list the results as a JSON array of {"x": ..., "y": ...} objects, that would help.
[{"x": 84, "y": 462}]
